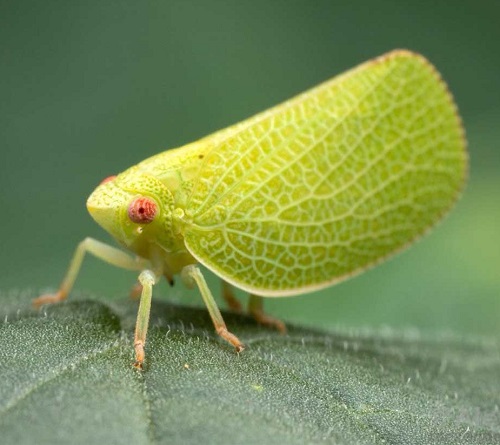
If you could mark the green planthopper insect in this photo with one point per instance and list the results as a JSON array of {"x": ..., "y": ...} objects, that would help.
[{"x": 294, "y": 199}]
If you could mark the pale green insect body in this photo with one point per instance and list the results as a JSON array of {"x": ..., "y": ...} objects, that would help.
[
  {"x": 295, "y": 199},
  {"x": 320, "y": 187}
]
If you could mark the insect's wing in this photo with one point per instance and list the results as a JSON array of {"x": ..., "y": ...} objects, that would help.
[{"x": 331, "y": 182}]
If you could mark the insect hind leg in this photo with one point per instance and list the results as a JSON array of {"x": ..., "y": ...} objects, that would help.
[
  {"x": 229, "y": 297},
  {"x": 256, "y": 310}
]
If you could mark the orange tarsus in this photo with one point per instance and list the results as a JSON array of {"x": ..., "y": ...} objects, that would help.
[
  {"x": 49, "y": 299},
  {"x": 231, "y": 338},
  {"x": 139, "y": 355}
]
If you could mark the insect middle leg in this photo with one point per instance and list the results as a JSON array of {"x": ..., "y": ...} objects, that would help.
[
  {"x": 191, "y": 276},
  {"x": 107, "y": 253}
]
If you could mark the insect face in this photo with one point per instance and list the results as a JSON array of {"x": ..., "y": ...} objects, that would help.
[
  {"x": 108, "y": 205},
  {"x": 136, "y": 209}
]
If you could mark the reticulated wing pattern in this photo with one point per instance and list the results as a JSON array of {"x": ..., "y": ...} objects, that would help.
[{"x": 330, "y": 182}]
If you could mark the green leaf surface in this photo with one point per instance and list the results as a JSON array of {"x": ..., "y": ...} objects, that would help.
[{"x": 67, "y": 377}]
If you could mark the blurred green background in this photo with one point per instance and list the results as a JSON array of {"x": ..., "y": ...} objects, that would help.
[{"x": 90, "y": 88}]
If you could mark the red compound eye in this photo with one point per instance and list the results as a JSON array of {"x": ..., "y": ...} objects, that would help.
[
  {"x": 109, "y": 178},
  {"x": 142, "y": 210}
]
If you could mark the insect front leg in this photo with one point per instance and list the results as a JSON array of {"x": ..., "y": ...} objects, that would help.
[
  {"x": 101, "y": 250},
  {"x": 148, "y": 279},
  {"x": 136, "y": 290},
  {"x": 191, "y": 276}
]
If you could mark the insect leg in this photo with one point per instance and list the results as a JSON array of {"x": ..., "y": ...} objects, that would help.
[
  {"x": 256, "y": 310},
  {"x": 229, "y": 298},
  {"x": 192, "y": 275},
  {"x": 147, "y": 279},
  {"x": 101, "y": 250}
]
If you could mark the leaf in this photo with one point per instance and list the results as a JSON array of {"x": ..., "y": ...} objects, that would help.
[{"x": 67, "y": 378}]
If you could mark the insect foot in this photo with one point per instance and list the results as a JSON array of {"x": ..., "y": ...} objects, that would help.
[
  {"x": 139, "y": 355},
  {"x": 230, "y": 338},
  {"x": 49, "y": 299}
]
